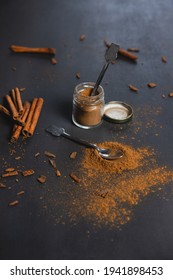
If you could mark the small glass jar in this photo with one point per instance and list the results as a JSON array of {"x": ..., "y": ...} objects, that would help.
[{"x": 87, "y": 110}]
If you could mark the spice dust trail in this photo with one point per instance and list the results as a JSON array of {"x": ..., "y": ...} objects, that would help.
[{"x": 109, "y": 190}]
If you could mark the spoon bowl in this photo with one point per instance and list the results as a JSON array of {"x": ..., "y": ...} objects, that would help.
[{"x": 104, "y": 153}]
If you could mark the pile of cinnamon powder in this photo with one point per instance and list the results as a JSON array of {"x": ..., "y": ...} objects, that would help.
[{"x": 109, "y": 190}]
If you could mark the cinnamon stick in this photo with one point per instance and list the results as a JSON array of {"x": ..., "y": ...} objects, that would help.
[
  {"x": 123, "y": 52},
  {"x": 19, "y": 101},
  {"x": 36, "y": 115},
  {"x": 29, "y": 118},
  {"x": 22, "y": 49},
  {"x": 4, "y": 110},
  {"x": 18, "y": 128},
  {"x": 13, "y": 95},
  {"x": 128, "y": 54},
  {"x": 12, "y": 106},
  {"x": 33, "y": 117}
]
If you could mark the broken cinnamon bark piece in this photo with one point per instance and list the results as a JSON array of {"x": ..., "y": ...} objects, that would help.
[
  {"x": 49, "y": 154},
  {"x": 2, "y": 186},
  {"x": 133, "y": 50},
  {"x": 9, "y": 169},
  {"x": 133, "y": 88},
  {"x": 82, "y": 37},
  {"x": 13, "y": 203},
  {"x": 151, "y": 85},
  {"x": 77, "y": 75},
  {"x": 20, "y": 193},
  {"x": 58, "y": 173},
  {"x": 164, "y": 59},
  {"x": 73, "y": 155},
  {"x": 37, "y": 154},
  {"x": 28, "y": 172},
  {"x": 53, "y": 60},
  {"x": 53, "y": 163},
  {"x": 74, "y": 177},
  {"x": 41, "y": 179},
  {"x": 10, "y": 174}
]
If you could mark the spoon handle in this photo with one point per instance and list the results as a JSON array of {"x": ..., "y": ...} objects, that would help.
[
  {"x": 100, "y": 77},
  {"x": 80, "y": 141}
]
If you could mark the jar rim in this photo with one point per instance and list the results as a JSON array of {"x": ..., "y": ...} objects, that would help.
[{"x": 84, "y": 85}]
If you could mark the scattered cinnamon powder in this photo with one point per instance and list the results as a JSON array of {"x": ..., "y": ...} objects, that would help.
[{"x": 109, "y": 190}]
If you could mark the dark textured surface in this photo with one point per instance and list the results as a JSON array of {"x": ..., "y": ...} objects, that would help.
[{"x": 27, "y": 230}]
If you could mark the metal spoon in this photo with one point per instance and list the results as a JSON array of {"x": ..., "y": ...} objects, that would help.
[
  {"x": 104, "y": 153},
  {"x": 110, "y": 56}
]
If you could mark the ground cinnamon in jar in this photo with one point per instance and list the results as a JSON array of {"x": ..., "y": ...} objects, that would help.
[{"x": 87, "y": 110}]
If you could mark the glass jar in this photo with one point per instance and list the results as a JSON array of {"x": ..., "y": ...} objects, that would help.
[{"x": 87, "y": 110}]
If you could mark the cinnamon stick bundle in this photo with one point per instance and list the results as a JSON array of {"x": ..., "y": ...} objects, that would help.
[
  {"x": 18, "y": 128},
  {"x": 15, "y": 104},
  {"x": 33, "y": 117}
]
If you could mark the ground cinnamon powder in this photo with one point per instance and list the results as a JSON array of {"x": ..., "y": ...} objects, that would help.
[{"x": 109, "y": 190}]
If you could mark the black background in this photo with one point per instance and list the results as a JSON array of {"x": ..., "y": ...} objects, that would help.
[{"x": 29, "y": 231}]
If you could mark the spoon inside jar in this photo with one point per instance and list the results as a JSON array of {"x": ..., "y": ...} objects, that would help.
[
  {"x": 104, "y": 153},
  {"x": 110, "y": 57}
]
